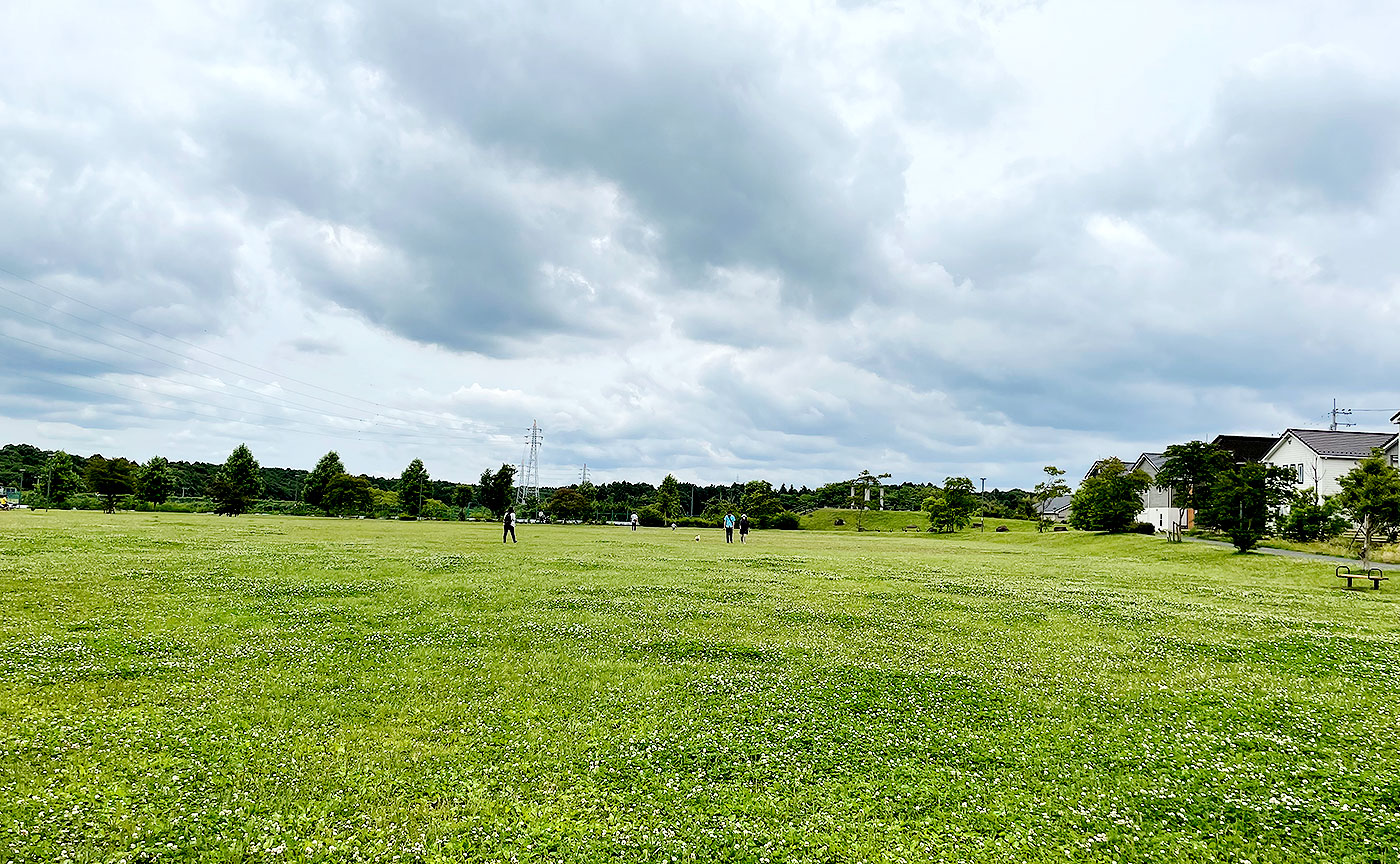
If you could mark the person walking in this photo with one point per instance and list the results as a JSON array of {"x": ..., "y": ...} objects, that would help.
[
  {"x": 743, "y": 526},
  {"x": 634, "y": 521},
  {"x": 729, "y": 527},
  {"x": 508, "y": 526}
]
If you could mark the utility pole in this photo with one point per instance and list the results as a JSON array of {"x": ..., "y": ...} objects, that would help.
[
  {"x": 1344, "y": 412},
  {"x": 984, "y": 505}
]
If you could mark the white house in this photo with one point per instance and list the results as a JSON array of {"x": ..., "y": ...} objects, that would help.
[
  {"x": 1158, "y": 505},
  {"x": 1394, "y": 451},
  {"x": 1319, "y": 457}
]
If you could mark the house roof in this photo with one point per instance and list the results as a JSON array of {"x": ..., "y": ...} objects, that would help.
[
  {"x": 1153, "y": 459},
  {"x": 1055, "y": 505},
  {"x": 1396, "y": 418},
  {"x": 1354, "y": 445},
  {"x": 1099, "y": 463},
  {"x": 1245, "y": 448}
]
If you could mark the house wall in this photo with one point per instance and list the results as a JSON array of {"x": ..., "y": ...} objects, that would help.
[
  {"x": 1392, "y": 453},
  {"x": 1320, "y": 472},
  {"x": 1156, "y": 503}
]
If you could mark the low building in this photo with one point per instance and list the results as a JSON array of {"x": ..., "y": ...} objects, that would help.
[
  {"x": 1058, "y": 509},
  {"x": 1159, "y": 505},
  {"x": 1245, "y": 448},
  {"x": 1318, "y": 458}
]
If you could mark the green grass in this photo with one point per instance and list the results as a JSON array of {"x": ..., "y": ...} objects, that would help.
[
  {"x": 1384, "y": 552},
  {"x": 901, "y": 521},
  {"x": 179, "y": 687}
]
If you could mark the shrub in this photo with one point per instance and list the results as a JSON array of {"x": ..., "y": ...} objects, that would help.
[
  {"x": 696, "y": 522},
  {"x": 651, "y": 517},
  {"x": 1308, "y": 520},
  {"x": 785, "y": 521},
  {"x": 435, "y": 509},
  {"x": 1144, "y": 528}
]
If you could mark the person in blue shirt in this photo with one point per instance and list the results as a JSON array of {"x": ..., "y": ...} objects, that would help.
[{"x": 729, "y": 527}]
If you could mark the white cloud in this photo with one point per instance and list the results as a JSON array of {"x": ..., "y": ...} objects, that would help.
[{"x": 788, "y": 240}]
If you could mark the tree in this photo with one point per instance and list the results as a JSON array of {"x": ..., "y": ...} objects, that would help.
[
  {"x": 1308, "y": 519},
  {"x": 1110, "y": 500},
  {"x": 952, "y": 507},
  {"x": 1244, "y": 499},
  {"x": 1371, "y": 497},
  {"x": 668, "y": 499},
  {"x": 154, "y": 482},
  {"x": 1048, "y": 490},
  {"x": 110, "y": 478},
  {"x": 330, "y": 468},
  {"x": 760, "y": 502},
  {"x": 568, "y": 504},
  {"x": 494, "y": 490},
  {"x": 1190, "y": 471},
  {"x": 238, "y": 483},
  {"x": 716, "y": 508},
  {"x": 864, "y": 488},
  {"x": 345, "y": 495},
  {"x": 59, "y": 479},
  {"x": 462, "y": 496},
  {"x": 412, "y": 482}
]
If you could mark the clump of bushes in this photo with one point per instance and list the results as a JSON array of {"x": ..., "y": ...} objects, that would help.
[{"x": 784, "y": 520}]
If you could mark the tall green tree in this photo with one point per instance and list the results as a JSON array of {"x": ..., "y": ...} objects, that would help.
[
  {"x": 345, "y": 495},
  {"x": 1244, "y": 500},
  {"x": 154, "y": 482},
  {"x": 1047, "y": 490},
  {"x": 1371, "y": 497},
  {"x": 110, "y": 478},
  {"x": 462, "y": 498},
  {"x": 237, "y": 484},
  {"x": 760, "y": 503},
  {"x": 319, "y": 480},
  {"x": 668, "y": 499},
  {"x": 495, "y": 491},
  {"x": 1110, "y": 500},
  {"x": 413, "y": 483},
  {"x": 1190, "y": 471},
  {"x": 59, "y": 478},
  {"x": 952, "y": 507},
  {"x": 569, "y": 504}
]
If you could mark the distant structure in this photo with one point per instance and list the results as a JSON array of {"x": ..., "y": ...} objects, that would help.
[{"x": 529, "y": 489}]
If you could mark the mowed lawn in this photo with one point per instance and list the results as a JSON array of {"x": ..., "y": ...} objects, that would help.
[{"x": 278, "y": 689}]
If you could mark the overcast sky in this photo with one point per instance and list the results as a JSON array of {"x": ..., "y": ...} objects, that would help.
[{"x": 724, "y": 240}]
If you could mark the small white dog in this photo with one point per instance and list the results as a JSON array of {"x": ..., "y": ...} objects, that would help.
[{"x": 697, "y": 538}]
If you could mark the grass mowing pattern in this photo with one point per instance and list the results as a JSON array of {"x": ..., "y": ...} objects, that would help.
[{"x": 194, "y": 688}]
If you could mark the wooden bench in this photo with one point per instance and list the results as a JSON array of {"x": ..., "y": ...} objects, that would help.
[{"x": 1374, "y": 574}]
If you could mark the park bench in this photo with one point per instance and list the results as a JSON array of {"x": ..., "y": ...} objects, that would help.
[{"x": 1374, "y": 574}]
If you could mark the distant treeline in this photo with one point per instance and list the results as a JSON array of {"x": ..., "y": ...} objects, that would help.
[{"x": 613, "y": 500}]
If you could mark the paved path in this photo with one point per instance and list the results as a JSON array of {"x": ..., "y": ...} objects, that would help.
[{"x": 1289, "y": 553}]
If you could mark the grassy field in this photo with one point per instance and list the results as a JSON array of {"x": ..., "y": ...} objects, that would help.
[
  {"x": 902, "y": 521},
  {"x": 181, "y": 687}
]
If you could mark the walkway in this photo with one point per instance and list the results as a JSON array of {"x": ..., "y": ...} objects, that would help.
[{"x": 1289, "y": 553}]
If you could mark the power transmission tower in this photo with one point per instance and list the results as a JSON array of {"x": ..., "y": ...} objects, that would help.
[
  {"x": 583, "y": 475},
  {"x": 529, "y": 489},
  {"x": 1335, "y": 412}
]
